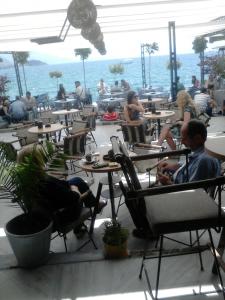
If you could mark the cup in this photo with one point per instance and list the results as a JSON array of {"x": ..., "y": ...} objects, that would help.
[
  {"x": 40, "y": 125},
  {"x": 88, "y": 157}
]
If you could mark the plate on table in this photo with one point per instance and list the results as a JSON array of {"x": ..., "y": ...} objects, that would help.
[{"x": 87, "y": 162}]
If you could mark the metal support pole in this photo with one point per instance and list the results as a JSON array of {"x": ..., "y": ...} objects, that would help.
[
  {"x": 173, "y": 60},
  {"x": 17, "y": 74},
  {"x": 143, "y": 65}
]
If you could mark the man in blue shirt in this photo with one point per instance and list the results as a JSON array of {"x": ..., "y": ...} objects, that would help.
[
  {"x": 17, "y": 111},
  {"x": 201, "y": 166}
]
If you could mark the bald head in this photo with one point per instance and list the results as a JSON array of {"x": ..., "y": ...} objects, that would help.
[{"x": 193, "y": 134}]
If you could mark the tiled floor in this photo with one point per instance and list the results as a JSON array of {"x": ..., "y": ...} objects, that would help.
[{"x": 86, "y": 275}]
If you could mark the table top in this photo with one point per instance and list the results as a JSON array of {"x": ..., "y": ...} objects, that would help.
[
  {"x": 53, "y": 128},
  {"x": 68, "y": 100},
  {"x": 215, "y": 146},
  {"x": 101, "y": 152},
  {"x": 163, "y": 114},
  {"x": 113, "y": 99},
  {"x": 65, "y": 111},
  {"x": 154, "y": 100},
  {"x": 152, "y": 94}
]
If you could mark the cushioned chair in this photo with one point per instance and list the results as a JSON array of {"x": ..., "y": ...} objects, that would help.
[
  {"x": 179, "y": 211},
  {"x": 136, "y": 133},
  {"x": 24, "y": 136}
]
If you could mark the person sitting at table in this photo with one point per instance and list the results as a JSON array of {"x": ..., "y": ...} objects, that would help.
[
  {"x": 200, "y": 166},
  {"x": 102, "y": 87},
  {"x": 17, "y": 110},
  {"x": 61, "y": 95},
  {"x": 115, "y": 88},
  {"x": 30, "y": 103},
  {"x": 133, "y": 108},
  {"x": 187, "y": 111},
  {"x": 125, "y": 85},
  {"x": 203, "y": 102},
  {"x": 63, "y": 197},
  {"x": 4, "y": 110},
  {"x": 110, "y": 115}
]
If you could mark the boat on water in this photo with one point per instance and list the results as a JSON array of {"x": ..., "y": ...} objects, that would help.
[{"x": 127, "y": 61}]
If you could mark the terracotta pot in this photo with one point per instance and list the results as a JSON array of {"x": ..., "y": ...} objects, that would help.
[{"x": 113, "y": 252}]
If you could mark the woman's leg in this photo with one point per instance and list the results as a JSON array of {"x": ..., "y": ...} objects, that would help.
[{"x": 166, "y": 135}]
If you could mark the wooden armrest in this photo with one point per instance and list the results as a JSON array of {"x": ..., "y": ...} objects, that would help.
[{"x": 148, "y": 146}]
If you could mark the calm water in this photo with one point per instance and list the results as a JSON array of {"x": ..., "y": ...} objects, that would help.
[{"x": 38, "y": 80}]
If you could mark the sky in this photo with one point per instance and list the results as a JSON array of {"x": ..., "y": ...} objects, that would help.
[{"x": 120, "y": 44}]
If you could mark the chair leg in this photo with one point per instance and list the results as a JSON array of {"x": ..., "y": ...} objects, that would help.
[
  {"x": 93, "y": 138},
  {"x": 216, "y": 262},
  {"x": 159, "y": 266},
  {"x": 143, "y": 259},
  {"x": 199, "y": 251},
  {"x": 64, "y": 239}
]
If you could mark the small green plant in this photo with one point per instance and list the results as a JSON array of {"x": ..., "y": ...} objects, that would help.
[
  {"x": 168, "y": 66},
  {"x": 115, "y": 234},
  {"x": 116, "y": 69}
]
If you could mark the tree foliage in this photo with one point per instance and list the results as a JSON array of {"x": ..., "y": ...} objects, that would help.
[
  {"x": 22, "y": 57},
  {"x": 116, "y": 69},
  {"x": 82, "y": 52},
  {"x": 168, "y": 66},
  {"x": 151, "y": 48},
  {"x": 3, "y": 84},
  {"x": 55, "y": 74},
  {"x": 199, "y": 44}
]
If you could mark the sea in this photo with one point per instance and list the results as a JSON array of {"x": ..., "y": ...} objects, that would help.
[{"x": 38, "y": 80}]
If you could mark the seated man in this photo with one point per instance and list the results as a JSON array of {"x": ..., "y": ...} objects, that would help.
[
  {"x": 201, "y": 166},
  {"x": 62, "y": 198},
  {"x": 110, "y": 115},
  {"x": 30, "y": 103},
  {"x": 17, "y": 110}
]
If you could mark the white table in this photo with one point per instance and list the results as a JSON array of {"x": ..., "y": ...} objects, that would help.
[
  {"x": 65, "y": 112},
  {"x": 163, "y": 114},
  {"x": 46, "y": 130}
]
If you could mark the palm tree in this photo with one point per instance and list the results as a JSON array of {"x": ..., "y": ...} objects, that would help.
[
  {"x": 57, "y": 75},
  {"x": 83, "y": 53},
  {"x": 199, "y": 46},
  {"x": 21, "y": 58},
  {"x": 150, "y": 49}
]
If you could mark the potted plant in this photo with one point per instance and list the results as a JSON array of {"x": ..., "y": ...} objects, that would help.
[
  {"x": 115, "y": 240},
  {"x": 29, "y": 233}
]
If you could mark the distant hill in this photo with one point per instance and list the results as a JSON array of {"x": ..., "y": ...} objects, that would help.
[{"x": 35, "y": 62}]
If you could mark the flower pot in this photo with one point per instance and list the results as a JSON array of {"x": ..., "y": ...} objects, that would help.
[
  {"x": 30, "y": 249},
  {"x": 118, "y": 251}
]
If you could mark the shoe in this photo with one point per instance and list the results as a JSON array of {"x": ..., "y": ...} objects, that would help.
[
  {"x": 143, "y": 234},
  {"x": 101, "y": 205}
]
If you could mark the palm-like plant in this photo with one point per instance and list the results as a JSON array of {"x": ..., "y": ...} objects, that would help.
[
  {"x": 84, "y": 54},
  {"x": 150, "y": 49},
  {"x": 57, "y": 75},
  {"x": 21, "y": 58},
  {"x": 116, "y": 69},
  {"x": 199, "y": 46}
]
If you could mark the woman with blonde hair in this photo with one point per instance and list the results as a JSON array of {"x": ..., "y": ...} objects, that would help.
[{"x": 187, "y": 112}]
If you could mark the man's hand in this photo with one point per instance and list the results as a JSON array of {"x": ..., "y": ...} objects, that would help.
[{"x": 164, "y": 179}]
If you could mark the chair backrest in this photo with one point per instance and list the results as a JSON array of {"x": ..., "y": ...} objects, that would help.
[
  {"x": 75, "y": 144},
  {"x": 133, "y": 133},
  {"x": 47, "y": 117},
  {"x": 88, "y": 109},
  {"x": 25, "y": 137},
  {"x": 91, "y": 121},
  {"x": 204, "y": 118},
  {"x": 78, "y": 125}
]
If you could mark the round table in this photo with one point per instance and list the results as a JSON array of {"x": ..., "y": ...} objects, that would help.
[
  {"x": 46, "y": 130},
  {"x": 65, "y": 112},
  {"x": 164, "y": 114},
  {"x": 109, "y": 171},
  {"x": 215, "y": 146},
  {"x": 153, "y": 100}
]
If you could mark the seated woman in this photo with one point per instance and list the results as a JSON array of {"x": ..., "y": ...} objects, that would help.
[
  {"x": 61, "y": 95},
  {"x": 187, "y": 112},
  {"x": 4, "y": 110},
  {"x": 133, "y": 108},
  {"x": 110, "y": 115},
  {"x": 62, "y": 198}
]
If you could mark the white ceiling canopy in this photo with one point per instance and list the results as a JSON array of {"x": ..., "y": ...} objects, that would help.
[{"x": 21, "y": 21}]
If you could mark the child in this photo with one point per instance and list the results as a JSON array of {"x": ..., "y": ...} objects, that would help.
[{"x": 110, "y": 115}]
